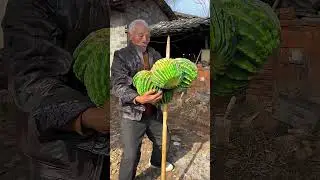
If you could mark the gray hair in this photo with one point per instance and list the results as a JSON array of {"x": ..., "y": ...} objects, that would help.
[{"x": 135, "y": 22}]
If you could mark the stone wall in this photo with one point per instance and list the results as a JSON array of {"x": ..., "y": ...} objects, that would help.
[
  {"x": 147, "y": 10},
  {"x": 118, "y": 36}
]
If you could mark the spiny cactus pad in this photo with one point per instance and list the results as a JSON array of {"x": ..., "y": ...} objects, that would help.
[
  {"x": 189, "y": 71},
  {"x": 92, "y": 67},
  {"x": 142, "y": 82},
  {"x": 166, "y": 73}
]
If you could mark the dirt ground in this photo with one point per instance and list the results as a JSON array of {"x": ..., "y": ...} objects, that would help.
[
  {"x": 188, "y": 121},
  {"x": 262, "y": 147}
]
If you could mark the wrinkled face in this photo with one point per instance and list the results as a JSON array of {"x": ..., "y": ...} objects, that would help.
[{"x": 140, "y": 36}]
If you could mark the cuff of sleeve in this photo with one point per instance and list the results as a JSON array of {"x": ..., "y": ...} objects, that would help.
[
  {"x": 59, "y": 115},
  {"x": 129, "y": 98},
  {"x": 77, "y": 127},
  {"x": 135, "y": 102}
]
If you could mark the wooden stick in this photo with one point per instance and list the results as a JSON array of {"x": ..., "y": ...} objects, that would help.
[
  {"x": 230, "y": 106},
  {"x": 164, "y": 142},
  {"x": 164, "y": 127},
  {"x": 168, "y": 47}
]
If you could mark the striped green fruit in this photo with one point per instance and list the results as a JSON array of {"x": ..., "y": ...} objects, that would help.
[
  {"x": 189, "y": 72},
  {"x": 166, "y": 73},
  {"x": 92, "y": 65}
]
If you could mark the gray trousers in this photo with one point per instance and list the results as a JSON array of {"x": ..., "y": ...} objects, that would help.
[{"x": 132, "y": 133}]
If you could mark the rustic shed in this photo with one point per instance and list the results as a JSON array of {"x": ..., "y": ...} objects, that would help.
[{"x": 188, "y": 36}]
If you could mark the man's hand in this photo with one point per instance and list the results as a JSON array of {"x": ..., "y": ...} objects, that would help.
[
  {"x": 96, "y": 119},
  {"x": 92, "y": 119},
  {"x": 150, "y": 97}
]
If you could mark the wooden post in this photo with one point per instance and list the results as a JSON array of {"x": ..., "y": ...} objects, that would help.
[{"x": 164, "y": 127}]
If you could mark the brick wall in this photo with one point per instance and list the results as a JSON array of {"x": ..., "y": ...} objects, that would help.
[
  {"x": 261, "y": 87},
  {"x": 147, "y": 10},
  {"x": 295, "y": 70},
  {"x": 301, "y": 40},
  {"x": 202, "y": 83}
]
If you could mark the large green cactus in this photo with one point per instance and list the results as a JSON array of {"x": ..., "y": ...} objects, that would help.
[
  {"x": 92, "y": 65},
  {"x": 167, "y": 75},
  {"x": 244, "y": 33}
]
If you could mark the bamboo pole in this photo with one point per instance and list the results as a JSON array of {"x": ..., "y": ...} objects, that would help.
[{"x": 164, "y": 127}]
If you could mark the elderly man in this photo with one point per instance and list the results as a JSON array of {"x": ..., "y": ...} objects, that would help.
[
  {"x": 139, "y": 116},
  {"x": 62, "y": 133}
]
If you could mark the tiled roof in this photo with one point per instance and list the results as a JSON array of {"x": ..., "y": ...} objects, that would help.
[{"x": 179, "y": 26}]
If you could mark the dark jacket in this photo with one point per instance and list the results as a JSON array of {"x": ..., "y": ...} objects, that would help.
[
  {"x": 39, "y": 38},
  {"x": 126, "y": 63}
]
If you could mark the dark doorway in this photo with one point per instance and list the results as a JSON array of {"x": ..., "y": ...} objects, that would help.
[{"x": 183, "y": 45}]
